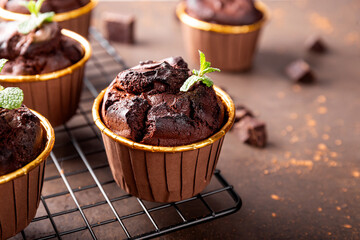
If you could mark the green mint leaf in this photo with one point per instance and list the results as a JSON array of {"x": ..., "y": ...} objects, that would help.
[
  {"x": 204, "y": 65},
  {"x": 34, "y": 22},
  {"x": 202, "y": 60},
  {"x": 11, "y": 98},
  {"x": 199, "y": 74},
  {"x": 210, "y": 70},
  {"x": 207, "y": 81},
  {"x": 38, "y": 6},
  {"x": 36, "y": 19},
  {"x": 27, "y": 26},
  {"x": 30, "y": 5},
  {"x": 44, "y": 17},
  {"x": 2, "y": 63},
  {"x": 189, "y": 82}
]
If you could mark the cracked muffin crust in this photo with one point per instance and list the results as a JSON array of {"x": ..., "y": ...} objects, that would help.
[
  {"x": 21, "y": 137},
  {"x": 145, "y": 104}
]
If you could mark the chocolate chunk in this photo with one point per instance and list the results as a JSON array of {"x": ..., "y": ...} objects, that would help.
[
  {"x": 252, "y": 131},
  {"x": 119, "y": 27},
  {"x": 241, "y": 111},
  {"x": 315, "y": 44},
  {"x": 300, "y": 71}
]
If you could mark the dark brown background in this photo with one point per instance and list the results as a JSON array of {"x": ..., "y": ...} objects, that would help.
[{"x": 306, "y": 183}]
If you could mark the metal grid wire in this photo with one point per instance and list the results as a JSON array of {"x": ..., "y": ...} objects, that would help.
[{"x": 80, "y": 199}]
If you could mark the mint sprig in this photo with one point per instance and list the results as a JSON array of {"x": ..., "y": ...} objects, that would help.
[
  {"x": 36, "y": 19},
  {"x": 2, "y": 64},
  {"x": 199, "y": 75},
  {"x": 11, "y": 97}
]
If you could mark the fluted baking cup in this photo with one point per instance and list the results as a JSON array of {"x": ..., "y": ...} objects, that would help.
[
  {"x": 77, "y": 20},
  {"x": 55, "y": 95},
  {"x": 227, "y": 47},
  {"x": 20, "y": 190},
  {"x": 163, "y": 174}
]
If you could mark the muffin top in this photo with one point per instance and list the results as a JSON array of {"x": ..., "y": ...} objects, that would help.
[
  {"x": 145, "y": 104},
  {"x": 43, "y": 50},
  {"x": 22, "y": 138},
  {"x": 226, "y": 12},
  {"x": 57, "y": 6}
]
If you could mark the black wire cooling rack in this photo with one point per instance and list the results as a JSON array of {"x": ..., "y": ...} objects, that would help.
[{"x": 80, "y": 199}]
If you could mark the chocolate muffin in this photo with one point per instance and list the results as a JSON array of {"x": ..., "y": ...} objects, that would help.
[
  {"x": 227, "y": 12},
  {"x": 43, "y": 50},
  {"x": 145, "y": 104},
  {"x": 22, "y": 138},
  {"x": 57, "y": 6},
  {"x": 227, "y": 31}
]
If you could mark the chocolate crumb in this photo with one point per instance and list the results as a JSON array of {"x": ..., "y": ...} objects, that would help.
[
  {"x": 241, "y": 111},
  {"x": 252, "y": 131},
  {"x": 300, "y": 71},
  {"x": 119, "y": 27},
  {"x": 315, "y": 44}
]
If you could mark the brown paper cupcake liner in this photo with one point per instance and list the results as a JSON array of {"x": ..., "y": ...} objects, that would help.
[
  {"x": 55, "y": 95},
  {"x": 227, "y": 47},
  {"x": 21, "y": 190},
  {"x": 163, "y": 174},
  {"x": 77, "y": 20}
]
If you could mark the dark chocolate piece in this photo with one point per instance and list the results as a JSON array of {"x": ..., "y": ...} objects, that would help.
[
  {"x": 241, "y": 111},
  {"x": 119, "y": 27},
  {"x": 300, "y": 71},
  {"x": 315, "y": 44},
  {"x": 252, "y": 131}
]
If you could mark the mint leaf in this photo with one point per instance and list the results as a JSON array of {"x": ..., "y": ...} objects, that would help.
[
  {"x": 199, "y": 75},
  {"x": 189, "y": 82},
  {"x": 195, "y": 72},
  {"x": 1, "y": 88},
  {"x": 202, "y": 60},
  {"x": 2, "y": 63},
  {"x": 30, "y": 5},
  {"x": 207, "y": 81},
  {"x": 44, "y": 17},
  {"x": 210, "y": 70},
  {"x": 34, "y": 22},
  {"x": 38, "y": 6},
  {"x": 36, "y": 19},
  {"x": 11, "y": 98}
]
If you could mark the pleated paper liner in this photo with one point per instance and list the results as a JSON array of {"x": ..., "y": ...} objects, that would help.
[
  {"x": 77, "y": 20},
  {"x": 55, "y": 95},
  {"x": 229, "y": 48},
  {"x": 20, "y": 190},
  {"x": 163, "y": 174}
]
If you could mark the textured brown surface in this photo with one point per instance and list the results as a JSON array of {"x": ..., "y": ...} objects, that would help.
[{"x": 305, "y": 184}]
